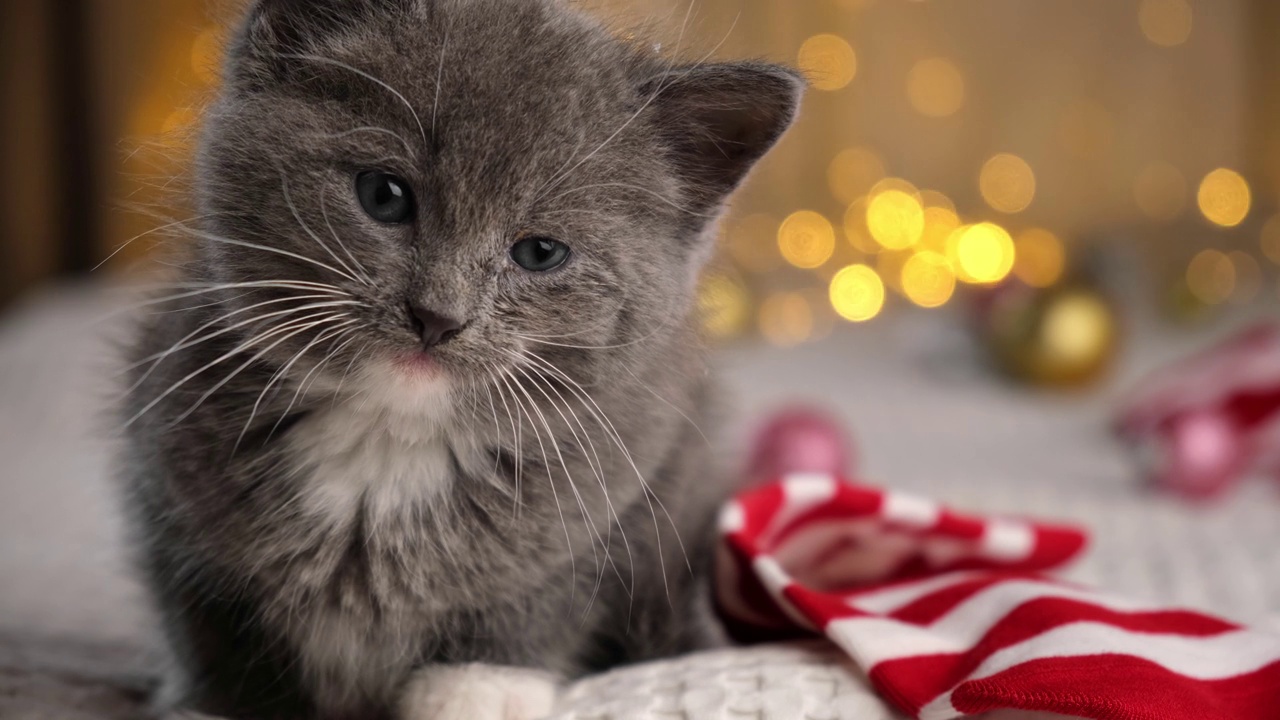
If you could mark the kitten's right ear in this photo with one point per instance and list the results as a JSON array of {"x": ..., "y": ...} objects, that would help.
[{"x": 296, "y": 25}]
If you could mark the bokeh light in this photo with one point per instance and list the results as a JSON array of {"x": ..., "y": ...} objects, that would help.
[
  {"x": 983, "y": 253},
  {"x": 1211, "y": 277},
  {"x": 1166, "y": 23},
  {"x": 1160, "y": 191},
  {"x": 1007, "y": 183},
  {"x": 927, "y": 279},
  {"x": 853, "y": 172},
  {"x": 935, "y": 87},
  {"x": 939, "y": 224},
  {"x": 857, "y": 293},
  {"x": 786, "y": 319},
  {"x": 1271, "y": 239},
  {"x": 828, "y": 61},
  {"x": 855, "y": 228},
  {"x": 206, "y": 56},
  {"x": 895, "y": 218},
  {"x": 1225, "y": 197},
  {"x": 725, "y": 305},
  {"x": 806, "y": 239},
  {"x": 1040, "y": 258}
]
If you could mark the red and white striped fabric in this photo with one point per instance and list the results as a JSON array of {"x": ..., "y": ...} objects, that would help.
[{"x": 949, "y": 615}]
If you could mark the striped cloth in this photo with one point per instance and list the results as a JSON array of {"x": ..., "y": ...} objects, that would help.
[{"x": 949, "y": 615}]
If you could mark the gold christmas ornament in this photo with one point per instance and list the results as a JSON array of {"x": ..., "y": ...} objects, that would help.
[{"x": 1064, "y": 337}]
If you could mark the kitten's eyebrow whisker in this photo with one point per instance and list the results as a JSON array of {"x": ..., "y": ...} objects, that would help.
[
  {"x": 349, "y": 274},
  {"x": 435, "y": 106},
  {"x": 367, "y": 129},
  {"x": 335, "y": 63}
]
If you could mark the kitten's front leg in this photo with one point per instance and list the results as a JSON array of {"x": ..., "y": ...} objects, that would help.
[{"x": 478, "y": 692}]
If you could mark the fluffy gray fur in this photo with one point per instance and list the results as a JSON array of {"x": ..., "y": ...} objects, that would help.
[{"x": 323, "y": 519}]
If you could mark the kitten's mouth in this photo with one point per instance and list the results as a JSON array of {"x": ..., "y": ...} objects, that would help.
[{"x": 419, "y": 365}]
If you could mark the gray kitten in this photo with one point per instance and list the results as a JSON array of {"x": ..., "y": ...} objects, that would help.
[{"x": 416, "y": 436}]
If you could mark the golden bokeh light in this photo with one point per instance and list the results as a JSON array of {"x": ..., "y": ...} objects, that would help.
[
  {"x": 927, "y": 279},
  {"x": 786, "y": 320},
  {"x": 1166, "y": 23},
  {"x": 1040, "y": 258},
  {"x": 1161, "y": 191},
  {"x": 983, "y": 253},
  {"x": 1008, "y": 184},
  {"x": 935, "y": 199},
  {"x": 206, "y": 56},
  {"x": 939, "y": 224},
  {"x": 751, "y": 242},
  {"x": 895, "y": 219},
  {"x": 725, "y": 305},
  {"x": 857, "y": 293},
  {"x": 1225, "y": 197},
  {"x": 1248, "y": 276},
  {"x": 1211, "y": 277},
  {"x": 853, "y": 172},
  {"x": 806, "y": 239},
  {"x": 1271, "y": 239},
  {"x": 828, "y": 61},
  {"x": 935, "y": 87},
  {"x": 855, "y": 228}
]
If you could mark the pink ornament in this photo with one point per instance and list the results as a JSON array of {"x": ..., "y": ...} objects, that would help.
[
  {"x": 800, "y": 440},
  {"x": 1206, "y": 422}
]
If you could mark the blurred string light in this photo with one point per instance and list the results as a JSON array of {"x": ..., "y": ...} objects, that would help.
[
  {"x": 1007, "y": 183},
  {"x": 828, "y": 61},
  {"x": 1161, "y": 191},
  {"x": 1211, "y": 277},
  {"x": 1224, "y": 197},
  {"x": 853, "y": 172},
  {"x": 1248, "y": 276},
  {"x": 939, "y": 224},
  {"x": 725, "y": 305},
  {"x": 855, "y": 228},
  {"x": 1271, "y": 239},
  {"x": 935, "y": 88},
  {"x": 895, "y": 214},
  {"x": 806, "y": 239},
  {"x": 1166, "y": 23},
  {"x": 857, "y": 293},
  {"x": 983, "y": 254},
  {"x": 1039, "y": 258},
  {"x": 927, "y": 279},
  {"x": 786, "y": 319}
]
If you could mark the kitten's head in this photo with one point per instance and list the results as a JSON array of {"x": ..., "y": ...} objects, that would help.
[{"x": 471, "y": 180}]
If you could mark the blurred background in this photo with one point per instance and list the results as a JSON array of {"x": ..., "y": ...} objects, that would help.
[
  {"x": 946, "y": 146},
  {"x": 993, "y": 219}
]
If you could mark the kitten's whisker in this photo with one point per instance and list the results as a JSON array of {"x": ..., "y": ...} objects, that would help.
[
  {"x": 516, "y": 437},
  {"x": 257, "y": 357},
  {"x": 209, "y": 237},
  {"x": 188, "y": 342},
  {"x": 669, "y": 404},
  {"x": 276, "y": 377},
  {"x": 354, "y": 357},
  {"x": 364, "y": 272},
  {"x": 264, "y": 284},
  {"x": 369, "y": 129},
  {"x": 239, "y": 349},
  {"x": 337, "y": 333},
  {"x": 288, "y": 199},
  {"x": 666, "y": 321},
  {"x": 435, "y": 105},
  {"x": 329, "y": 61},
  {"x": 546, "y": 463},
  {"x": 152, "y": 231}
]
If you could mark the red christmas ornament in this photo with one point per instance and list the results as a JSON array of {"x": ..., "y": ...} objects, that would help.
[
  {"x": 800, "y": 439},
  {"x": 1207, "y": 422}
]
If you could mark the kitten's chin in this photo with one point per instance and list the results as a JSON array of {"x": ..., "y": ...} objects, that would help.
[{"x": 409, "y": 383}]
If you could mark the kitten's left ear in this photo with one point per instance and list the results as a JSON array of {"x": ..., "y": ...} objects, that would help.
[{"x": 717, "y": 121}]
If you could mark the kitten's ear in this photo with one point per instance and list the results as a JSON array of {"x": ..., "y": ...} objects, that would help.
[
  {"x": 717, "y": 121},
  {"x": 293, "y": 25}
]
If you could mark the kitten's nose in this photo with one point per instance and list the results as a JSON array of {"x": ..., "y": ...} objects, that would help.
[{"x": 435, "y": 329}]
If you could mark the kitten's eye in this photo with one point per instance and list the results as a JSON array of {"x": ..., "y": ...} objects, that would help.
[
  {"x": 385, "y": 197},
  {"x": 539, "y": 254}
]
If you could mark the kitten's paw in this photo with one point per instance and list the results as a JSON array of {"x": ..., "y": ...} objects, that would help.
[{"x": 478, "y": 692}]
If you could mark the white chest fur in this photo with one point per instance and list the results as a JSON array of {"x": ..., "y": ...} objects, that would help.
[{"x": 350, "y": 456}]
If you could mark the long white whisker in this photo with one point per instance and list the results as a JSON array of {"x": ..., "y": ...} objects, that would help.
[
  {"x": 666, "y": 321},
  {"x": 152, "y": 231},
  {"x": 338, "y": 333},
  {"x": 435, "y": 106},
  {"x": 288, "y": 199},
  {"x": 329, "y": 61},
  {"x": 364, "y": 272},
  {"x": 264, "y": 248}
]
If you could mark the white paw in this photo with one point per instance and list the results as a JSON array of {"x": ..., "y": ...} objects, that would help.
[{"x": 478, "y": 692}]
